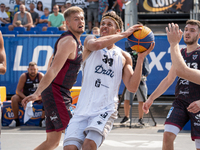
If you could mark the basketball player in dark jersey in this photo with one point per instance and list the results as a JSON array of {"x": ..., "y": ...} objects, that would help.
[
  {"x": 182, "y": 70},
  {"x": 27, "y": 85},
  {"x": 60, "y": 77},
  {"x": 187, "y": 93}
]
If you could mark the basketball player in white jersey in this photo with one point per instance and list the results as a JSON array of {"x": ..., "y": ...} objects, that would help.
[{"x": 104, "y": 65}]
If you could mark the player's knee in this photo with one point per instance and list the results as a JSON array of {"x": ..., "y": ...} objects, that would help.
[
  {"x": 70, "y": 147},
  {"x": 15, "y": 99},
  {"x": 89, "y": 145},
  {"x": 168, "y": 137}
]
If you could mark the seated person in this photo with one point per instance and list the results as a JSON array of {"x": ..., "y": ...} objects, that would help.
[
  {"x": 39, "y": 9},
  {"x": 96, "y": 31},
  {"x": 44, "y": 18},
  {"x": 27, "y": 85},
  {"x": 4, "y": 18},
  {"x": 22, "y": 19},
  {"x": 56, "y": 19},
  {"x": 34, "y": 15},
  {"x": 8, "y": 12},
  {"x": 63, "y": 8}
]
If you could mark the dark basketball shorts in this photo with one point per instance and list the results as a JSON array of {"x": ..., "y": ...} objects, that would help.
[
  {"x": 56, "y": 106},
  {"x": 179, "y": 116}
]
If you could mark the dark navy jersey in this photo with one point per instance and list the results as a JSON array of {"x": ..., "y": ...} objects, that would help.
[
  {"x": 186, "y": 90},
  {"x": 30, "y": 85},
  {"x": 66, "y": 77}
]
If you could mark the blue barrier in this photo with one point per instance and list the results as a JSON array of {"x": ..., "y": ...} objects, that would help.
[{"x": 22, "y": 49}]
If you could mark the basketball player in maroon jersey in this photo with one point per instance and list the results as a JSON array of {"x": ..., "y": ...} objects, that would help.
[
  {"x": 182, "y": 70},
  {"x": 60, "y": 77},
  {"x": 187, "y": 93}
]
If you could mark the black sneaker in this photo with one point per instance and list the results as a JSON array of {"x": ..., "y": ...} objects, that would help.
[
  {"x": 140, "y": 121},
  {"x": 125, "y": 120},
  {"x": 41, "y": 124}
]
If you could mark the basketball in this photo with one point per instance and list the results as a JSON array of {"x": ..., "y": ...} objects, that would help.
[{"x": 141, "y": 40}]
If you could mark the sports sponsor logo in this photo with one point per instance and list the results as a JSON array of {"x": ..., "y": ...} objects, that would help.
[
  {"x": 10, "y": 115},
  {"x": 164, "y": 5}
]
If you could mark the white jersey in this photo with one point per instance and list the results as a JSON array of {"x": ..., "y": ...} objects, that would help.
[{"x": 102, "y": 74}]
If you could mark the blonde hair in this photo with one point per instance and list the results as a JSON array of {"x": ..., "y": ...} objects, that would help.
[{"x": 72, "y": 10}]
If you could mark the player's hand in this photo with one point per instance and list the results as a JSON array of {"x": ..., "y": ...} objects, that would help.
[
  {"x": 132, "y": 29},
  {"x": 145, "y": 53},
  {"x": 194, "y": 107},
  {"x": 147, "y": 105},
  {"x": 174, "y": 34},
  {"x": 33, "y": 97}
]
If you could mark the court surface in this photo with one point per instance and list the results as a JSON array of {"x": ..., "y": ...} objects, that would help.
[{"x": 121, "y": 137}]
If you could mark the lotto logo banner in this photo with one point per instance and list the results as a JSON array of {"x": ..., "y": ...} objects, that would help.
[
  {"x": 165, "y": 5},
  {"x": 8, "y": 116}
]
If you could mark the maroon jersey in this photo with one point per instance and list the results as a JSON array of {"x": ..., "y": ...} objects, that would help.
[
  {"x": 30, "y": 85},
  {"x": 57, "y": 97},
  {"x": 68, "y": 74},
  {"x": 186, "y": 90}
]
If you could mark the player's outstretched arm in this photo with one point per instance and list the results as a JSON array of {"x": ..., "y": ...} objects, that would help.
[
  {"x": 60, "y": 57},
  {"x": 132, "y": 79},
  {"x": 105, "y": 41},
  {"x": 162, "y": 87},
  {"x": 2, "y": 56}
]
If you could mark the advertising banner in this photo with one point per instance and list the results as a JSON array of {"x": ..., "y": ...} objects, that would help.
[
  {"x": 21, "y": 50},
  {"x": 8, "y": 115},
  {"x": 165, "y": 5}
]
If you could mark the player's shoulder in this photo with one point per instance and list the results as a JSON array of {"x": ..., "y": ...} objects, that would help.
[
  {"x": 23, "y": 76},
  {"x": 126, "y": 54},
  {"x": 68, "y": 39}
]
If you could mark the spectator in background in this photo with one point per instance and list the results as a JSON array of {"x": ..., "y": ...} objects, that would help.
[
  {"x": 4, "y": 19},
  {"x": 56, "y": 19},
  {"x": 96, "y": 31},
  {"x": 92, "y": 12},
  {"x": 63, "y": 8},
  {"x": 8, "y": 12},
  {"x": 39, "y": 9},
  {"x": 44, "y": 18},
  {"x": 34, "y": 15},
  {"x": 27, "y": 85},
  {"x": 16, "y": 7},
  {"x": 142, "y": 90},
  {"x": 68, "y": 4},
  {"x": 123, "y": 9},
  {"x": 22, "y": 19},
  {"x": 103, "y": 7}
]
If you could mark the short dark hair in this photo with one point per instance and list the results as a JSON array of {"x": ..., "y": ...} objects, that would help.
[
  {"x": 32, "y": 64},
  {"x": 72, "y": 10},
  {"x": 193, "y": 22},
  {"x": 115, "y": 17}
]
